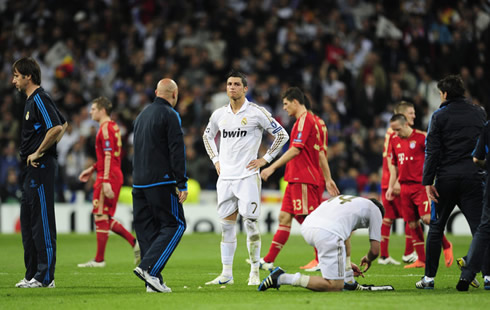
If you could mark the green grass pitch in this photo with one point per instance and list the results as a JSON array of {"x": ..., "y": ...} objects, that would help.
[{"x": 197, "y": 261}]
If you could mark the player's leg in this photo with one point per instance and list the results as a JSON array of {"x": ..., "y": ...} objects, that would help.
[
  {"x": 477, "y": 258},
  {"x": 411, "y": 215},
  {"x": 30, "y": 253},
  {"x": 227, "y": 212},
  {"x": 116, "y": 227},
  {"x": 313, "y": 264},
  {"x": 391, "y": 213},
  {"x": 101, "y": 227},
  {"x": 168, "y": 214},
  {"x": 41, "y": 197},
  {"x": 280, "y": 237},
  {"x": 448, "y": 195},
  {"x": 409, "y": 256},
  {"x": 248, "y": 193},
  {"x": 331, "y": 250}
]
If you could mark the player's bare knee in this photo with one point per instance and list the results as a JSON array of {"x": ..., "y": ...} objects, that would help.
[
  {"x": 331, "y": 285},
  {"x": 252, "y": 229},
  {"x": 412, "y": 225},
  {"x": 285, "y": 218},
  {"x": 426, "y": 219},
  {"x": 99, "y": 217}
]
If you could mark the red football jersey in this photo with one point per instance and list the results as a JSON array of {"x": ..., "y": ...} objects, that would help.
[
  {"x": 305, "y": 168},
  {"x": 387, "y": 155},
  {"x": 409, "y": 156},
  {"x": 108, "y": 149},
  {"x": 322, "y": 129}
]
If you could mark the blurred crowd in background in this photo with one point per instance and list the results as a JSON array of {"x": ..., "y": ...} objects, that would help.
[{"x": 355, "y": 60}]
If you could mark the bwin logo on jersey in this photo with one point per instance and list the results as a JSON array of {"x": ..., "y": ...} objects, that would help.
[{"x": 234, "y": 133}]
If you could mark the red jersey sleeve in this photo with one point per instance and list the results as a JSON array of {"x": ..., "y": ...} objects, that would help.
[{"x": 303, "y": 131}]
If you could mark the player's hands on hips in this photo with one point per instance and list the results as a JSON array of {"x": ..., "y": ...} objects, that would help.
[
  {"x": 332, "y": 188},
  {"x": 365, "y": 262},
  {"x": 256, "y": 164},
  {"x": 266, "y": 173},
  {"x": 432, "y": 192},
  {"x": 182, "y": 195},
  {"x": 357, "y": 270},
  {"x": 218, "y": 170},
  {"x": 107, "y": 188},
  {"x": 32, "y": 159}
]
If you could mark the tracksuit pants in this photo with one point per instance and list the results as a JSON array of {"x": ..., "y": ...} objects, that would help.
[
  {"x": 37, "y": 220},
  {"x": 478, "y": 257},
  {"x": 467, "y": 193},
  {"x": 159, "y": 223}
]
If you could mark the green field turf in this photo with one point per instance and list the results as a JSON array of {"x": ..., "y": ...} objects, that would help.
[{"x": 197, "y": 260}]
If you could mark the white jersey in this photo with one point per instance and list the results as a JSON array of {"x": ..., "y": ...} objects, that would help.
[
  {"x": 241, "y": 135},
  {"x": 342, "y": 214}
]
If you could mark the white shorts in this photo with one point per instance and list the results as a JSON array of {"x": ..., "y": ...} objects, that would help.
[
  {"x": 331, "y": 251},
  {"x": 241, "y": 194}
]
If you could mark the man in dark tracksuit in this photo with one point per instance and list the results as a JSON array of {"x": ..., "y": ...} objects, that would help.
[
  {"x": 159, "y": 184},
  {"x": 42, "y": 127},
  {"x": 478, "y": 257},
  {"x": 453, "y": 131}
]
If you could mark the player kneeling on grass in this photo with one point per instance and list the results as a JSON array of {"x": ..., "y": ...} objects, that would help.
[{"x": 328, "y": 228}]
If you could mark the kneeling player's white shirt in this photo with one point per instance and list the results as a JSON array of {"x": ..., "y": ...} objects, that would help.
[
  {"x": 241, "y": 135},
  {"x": 342, "y": 214}
]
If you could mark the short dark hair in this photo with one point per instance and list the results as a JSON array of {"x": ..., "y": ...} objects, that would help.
[
  {"x": 379, "y": 205},
  {"x": 238, "y": 74},
  {"x": 399, "y": 117},
  {"x": 453, "y": 85},
  {"x": 402, "y": 106},
  {"x": 28, "y": 66},
  {"x": 307, "y": 102},
  {"x": 103, "y": 103},
  {"x": 294, "y": 93}
]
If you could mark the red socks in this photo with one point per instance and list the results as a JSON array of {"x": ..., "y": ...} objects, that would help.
[
  {"x": 121, "y": 231},
  {"x": 102, "y": 231},
  {"x": 280, "y": 238},
  {"x": 418, "y": 242},
  {"x": 408, "y": 240},
  {"x": 385, "y": 237},
  {"x": 445, "y": 243}
]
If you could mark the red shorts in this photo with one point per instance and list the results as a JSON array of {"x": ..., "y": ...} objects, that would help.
[
  {"x": 414, "y": 201},
  {"x": 392, "y": 208},
  {"x": 103, "y": 205},
  {"x": 300, "y": 198}
]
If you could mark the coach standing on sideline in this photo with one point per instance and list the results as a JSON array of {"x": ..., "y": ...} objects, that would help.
[
  {"x": 42, "y": 128},
  {"x": 453, "y": 132},
  {"x": 159, "y": 184}
]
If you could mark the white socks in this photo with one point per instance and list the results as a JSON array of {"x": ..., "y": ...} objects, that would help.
[
  {"x": 228, "y": 246},
  {"x": 296, "y": 279},
  {"x": 253, "y": 242}
]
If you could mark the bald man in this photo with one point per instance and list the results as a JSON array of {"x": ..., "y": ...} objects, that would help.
[{"x": 159, "y": 184}]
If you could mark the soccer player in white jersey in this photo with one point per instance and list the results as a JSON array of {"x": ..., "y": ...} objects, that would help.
[
  {"x": 329, "y": 228},
  {"x": 241, "y": 124}
]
